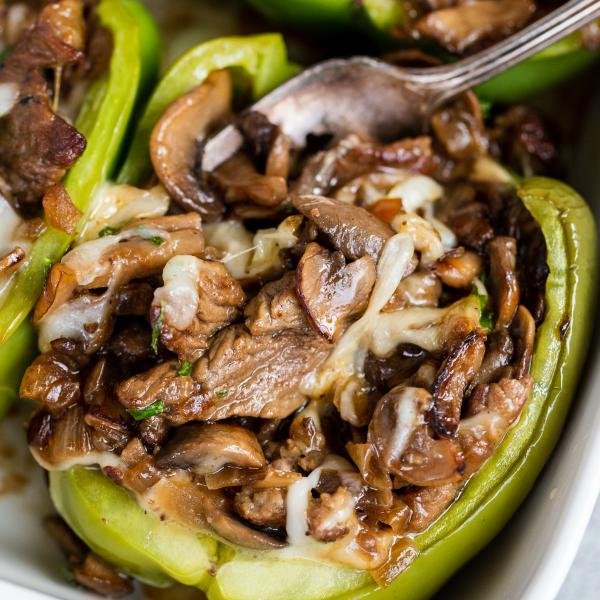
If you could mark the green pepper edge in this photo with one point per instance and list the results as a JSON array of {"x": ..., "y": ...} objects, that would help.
[
  {"x": 103, "y": 118},
  {"x": 262, "y": 57},
  {"x": 492, "y": 494}
]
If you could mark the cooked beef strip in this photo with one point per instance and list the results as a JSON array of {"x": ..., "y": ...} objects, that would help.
[
  {"x": 241, "y": 375},
  {"x": 276, "y": 307},
  {"x": 353, "y": 230},
  {"x": 36, "y": 145}
]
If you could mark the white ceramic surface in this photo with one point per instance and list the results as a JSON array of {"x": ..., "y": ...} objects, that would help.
[{"x": 528, "y": 561}]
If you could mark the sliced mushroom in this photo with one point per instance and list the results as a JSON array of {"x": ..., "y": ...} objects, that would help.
[
  {"x": 459, "y": 127},
  {"x": 459, "y": 267},
  {"x": 396, "y": 417},
  {"x": 207, "y": 448},
  {"x": 457, "y": 371},
  {"x": 174, "y": 143},
  {"x": 428, "y": 461},
  {"x": 331, "y": 290},
  {"x": 53, "y": 381},
  {"x": 523, "y": 332},
  {"x": 389, "y": 371},
  {"x": 97, "y": 575},
  {"x": 504, "y": 279},
  {"x": 353, "y": 230},
  {"x": 498, "y": 356},
  {"x": 186, "y": 501},
  {"x": 10, "y": 260}
]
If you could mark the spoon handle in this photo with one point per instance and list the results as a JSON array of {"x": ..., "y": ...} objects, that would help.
[{"x": 449, "y": 80}]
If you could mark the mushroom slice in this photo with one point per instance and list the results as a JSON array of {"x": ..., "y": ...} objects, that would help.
[
  {"x": 353, "y": 230},
  {"x": 174, "y": 142},
  {"x": 208, "y": 448},
  {"x": 523, "y": 332},
  {"x": 394, "y": 421},
  {"x": 459, "y": 267},
  {"x": 470, "y": 24},
  {"x": 504, "y": 278},
  {"x": 185, "y": 501},
  {"x": 457, "y": 371},
  {"x": 497, "y": 357},
  {"x": 429, "y": 461},
  {"x": 386, "y": 372},
  {"x": 331, "y": 290}
]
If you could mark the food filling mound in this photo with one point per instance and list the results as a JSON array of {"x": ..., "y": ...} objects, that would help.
[{"x": 304, "y": 350}]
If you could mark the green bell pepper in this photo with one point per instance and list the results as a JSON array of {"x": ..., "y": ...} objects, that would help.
[
  {"x": 91, "y": 503},
  {"x": 261, "y": 58},
  {"x": 379, "y": 18},
  {"x": 104, "y": 120},
  {"x": 327, "y": 15},
  {"x": 546, "y": 69}
]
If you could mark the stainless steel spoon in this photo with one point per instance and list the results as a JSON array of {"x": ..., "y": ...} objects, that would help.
[{"x": 381, "y": 101}]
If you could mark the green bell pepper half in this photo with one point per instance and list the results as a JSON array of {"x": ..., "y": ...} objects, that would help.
[
  {"x": 546, "y": 69},
  {"x": 379, "y": 18},
  {"x": 328, "y": 15},
  {"x": 487, "y": 501},
  {"x": 104, "y": 120},
  {"x": 261, "y": 58}
]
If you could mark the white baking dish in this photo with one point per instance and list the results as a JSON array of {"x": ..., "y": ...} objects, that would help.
[{"x": 528, "y": 561}]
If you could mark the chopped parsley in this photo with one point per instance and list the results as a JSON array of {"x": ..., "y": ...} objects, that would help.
[
  {"x": 185, "y": 368},
  {"x": 156, "y": 330},
  {"x": 155, "y": 239},
  {"x": 221, "y": 393},
  {"x": 139, "y": 414},
  {"x": 108, "y": 230},
  {"x": 486, "y": 320}
]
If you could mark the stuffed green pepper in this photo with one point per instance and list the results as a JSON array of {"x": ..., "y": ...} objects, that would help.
[
  {"x": 312, "y": 369},
  {"x": 64, "y": 64},
  {"x": 449, "y": 30}
]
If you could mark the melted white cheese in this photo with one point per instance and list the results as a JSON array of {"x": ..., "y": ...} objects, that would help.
[
  {"x": 9, "y": 94},
  {"x": 86, "y": 260},
  {"x": 427, "y": 327},
  {"x": 349, "y": 354},
  {"x": 179, "y": 295},
  {"x": 71, "y": 318},
  {"x": 416, "y": 192},
  {"x": 115, "y": 205},
  {"x": 407, "y": 418}
]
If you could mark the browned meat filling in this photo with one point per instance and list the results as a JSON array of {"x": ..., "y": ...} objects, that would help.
[
  {"x": 465, "y": 26},
  {"x": 328, "y": 378}
]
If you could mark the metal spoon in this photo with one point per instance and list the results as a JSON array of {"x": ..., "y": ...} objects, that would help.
[{"x": 380, "y": 101}]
